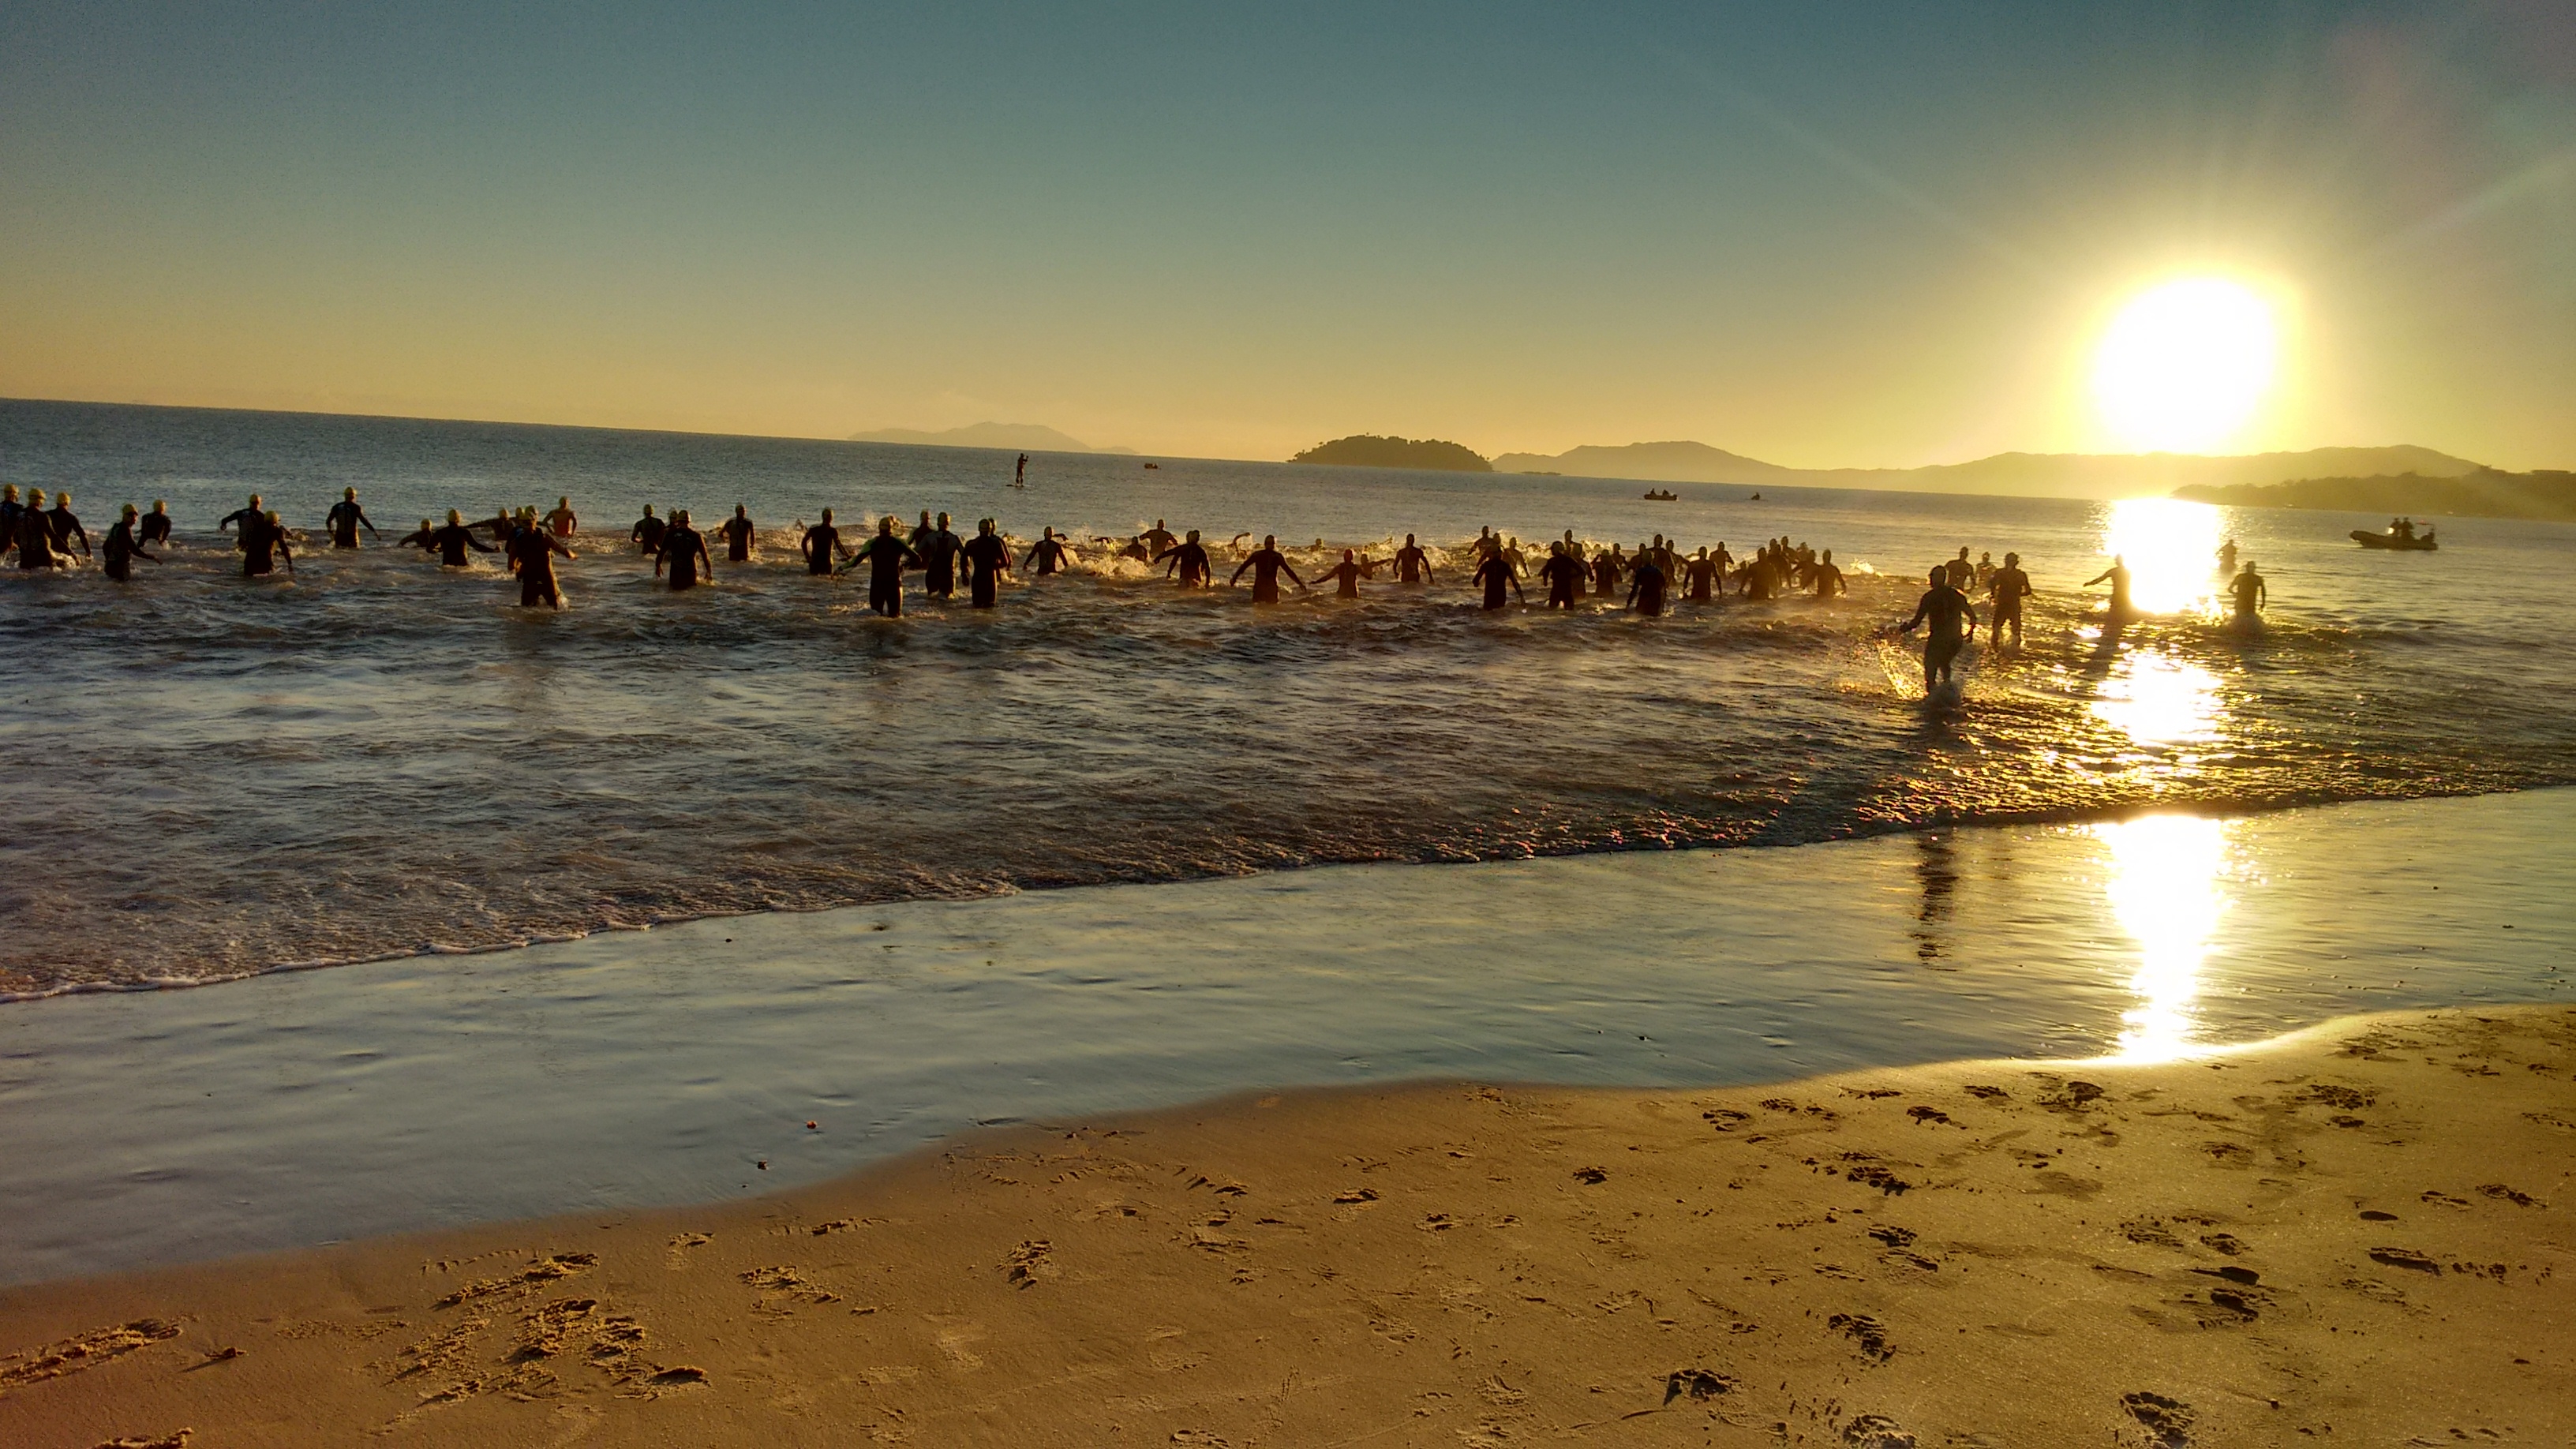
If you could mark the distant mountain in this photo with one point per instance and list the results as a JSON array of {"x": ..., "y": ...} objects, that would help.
[
  {"x": 2485, "y": 493},
  {"x": 1023, "y": 437},
  {"x": 2058, "y": 475},
  {"x": 1368, "y": 450}
]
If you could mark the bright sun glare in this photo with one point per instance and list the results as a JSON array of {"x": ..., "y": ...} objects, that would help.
[{"x": 2185, "y": 364}]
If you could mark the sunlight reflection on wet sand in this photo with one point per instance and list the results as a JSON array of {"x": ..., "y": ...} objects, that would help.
[{"x": 2166, "y": 890}]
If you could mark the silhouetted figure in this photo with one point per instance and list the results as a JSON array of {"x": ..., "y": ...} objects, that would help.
[
  {"x": 1758, "y": 579},
  {"x": 2006, "y": 587},
  {"x": 2227, "y": 557},
  {"x": 647, "y": 534},
  {"x": 117, "y": 557},
  {"x": 1190, "y": 562},
  {"x": 501, "y": 525},
  {"x": 66, "y": 528},
  {"x": 1963, "y": 574},
  {"x": 1412, "y": 565},
  {"x": 240, "y": 516},
  {"x": 2251, "y": 594},
  {"x": 988, "y": 557},
  {"x": 1020, "y": 474},
  {"x": 562, "y": 521},
  {"x": 1646, "y": 584},
  {"x": 454, "y": 539},
  {"x": 939, "y": 561},
  {"x": 532, "y": 554},
  {"x": 1574, "y": 551},
  {"x": 264, "y": 545},
  {"x": 346, "y": 518},
  {"x": 1563, "y": 575},
  {"x": 1953, "y": 620},
  {"x": 2117, "y": 576},
  {"x": 418, "y": 538},
  {"x": 1267, "y": 564},
  {"x": 683, "y": 552},
  {"x": 1985, "y": 573},
  {"x": 1158, "y": 540},
  {"x": 155, "y": 527},
  {"x": 1699, "y": 573},
  {"x": 1493, "y": 574},
  {"x": 35, "y": 537},
  {"x": 1607, "y": 566},
  {"x": 1047, "y": 556},
  {"x": 820, "y": 544},
  {"x": 10, "y": 508},
  {"x": 886, "y": 557},
  {"x": 738, "y": 534},
  {"x": 1826, "y": 579},
  {"x": 1345, "y": 576}
]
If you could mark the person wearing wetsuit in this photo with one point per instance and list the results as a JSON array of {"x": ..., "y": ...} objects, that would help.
[
  {"x": 1948, "y": 610},
  {"x": 820, "y": 544},
  {"x": 563, "y": 520},
  {"x": 1646, "y": 585},
  {"x": 1700, "y": 571},
  {"x": 66, "y": 527},
  {"x": 418, "y": 538},
  {"x": 646, "y": 535},
  {"x": 1158, "y": 540},
  {"x": 1495, "y": 572},
  {"x": 156, "y": 525},
  {"x": 35, "y": 539},
  {"x": 2117, "y": 576},
  {"x": 939, "y": 553},
  {"x": 117, "y": 558},
  {"x": 1267, "y": 564},
  {"x": 10, "y": 508},
  {"x": 532, "y": 553},
  {"x": 1607, "y": 566},
  {"x": 1412, "y": 565},
  {"x": 2005, "y": 589},
  {"x": 1020, "y": 474},
  {"x": 1345, "y": 575},
  {"x": 2251, "y": 594},
  {"x": 988, "y": 557},
  {"x": 1563, "y": 575},
  {"x": 886, "y": 557},
  {"x": 451, "y": 542},
  {"x": 240, "y": 517},
  {"x": 1190, "y": 563},
  {"x": 345, "y": 519},
  {"x": 1827, "y": 578},
  {"x": 737, "y": 532},
  {"x": 2227, "y": 557},
  {"x": 263, "y": 543},
  {"x": 1047, "y": 556},
  {"x": 684, "y": 552}
]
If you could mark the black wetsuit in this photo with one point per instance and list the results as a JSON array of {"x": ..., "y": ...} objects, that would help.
[
  {"x": 1564, "y": 579},
  {"x": 66, "y": 528},
  {"x": 1827, "y": 578},
  {"x": 1157, "y": 541},
  {"x": 821, "y": 543},
  {"x": 344, "y": 521},
  {"x": 533, "y": 550},
  {"x": 737, "y": 532},
  {"x": 121, "y": 551},
  {"x": 10, "y": 508},
  {"x": 1411, "y": 563},
  {"x": 451, "y": 542},
  {"x": 239, "y": 517},
  {"x": 1951, "y": 615},
  {"x": 1495, "y": 573},
  {"x": 1046, "y": 556},
  {"x": 1605, "y": 572},
  {"x": 1346, "y": 579},
  {"x": 939, "y": 563},
  {"x": 886, "y": 556},
  {"x": 1646, "y": 587},
  {"x": 684, "y": 551},
  {"x": 1190, "y": 562},
  {"x": 35, "y": 541},
  {"x": 156, "y": 528},
  {"x": 1702, "y": 573},
  {"x": 988, "y": 557},
  {"x": 262, "y": 544},
  {"x": 1265, "y": 564},
  {"x": 647, "y": 534},
  {"x": 2008, "y": 586}
]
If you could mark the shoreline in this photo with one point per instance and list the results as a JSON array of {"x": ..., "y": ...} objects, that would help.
[{"x": 2352, "y": 1230}]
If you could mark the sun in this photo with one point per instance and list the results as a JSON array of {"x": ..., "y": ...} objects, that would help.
[{"x": 2186, "y": 364}]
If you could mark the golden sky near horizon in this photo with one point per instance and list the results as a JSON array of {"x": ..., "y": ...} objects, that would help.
[{"x": 1819, "y": 244}]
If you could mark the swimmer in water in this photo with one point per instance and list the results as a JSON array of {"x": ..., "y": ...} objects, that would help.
[
  {"x": 1574, "y": 551},
  {"x": 886, "y": 557},
  {"x": 346, "y": 518},
  {"x": 646, "y": 535},
  {"x": 2227, "y": 557},
  {"x": 532, "y": 554},
  {"x": 2251, "y": 595},
  {"x": 1828, "y": 580},
  {"x": 240, "y": 517},
  {"x": 819, "y": 545},
  {"x": 1954, "y": 623},
  {"x": 10, "y": 508},
  {"x": 156, "y": 525},
  {"x": 122, "y": 550},
  {"x": 563, "y": 520},
  {"x": 1158, "y": 540},
  {"x": 66, "y": 527},
  {"x": 1190, "y": 562},
  {"x": 2117, "y": 576},
  {"x": 738, "y": 534},
  {"x": 2005, "y": 589},
  {"x": 684, "y": 550},
  {"x": 1047, "y": 556},
  {"x": 1495, "y": 572},
  {"x": 939, "y": 561},
  {"x": 1345, "y": 576},
  {"x": 1646, "y": 584},
  {"x": 1701, "y": 572},
  {"x": 263, "y": 544},
  {"x": 1267, "y": 564},
  {"x": 1412, "y": 565},
  {"x": 1563, "y": 575},
  {"x": 418, "y": 538},
  {"x": 35, "y": 539},
  {"x": 1962, "y": 573},
  {"x": 451, "y": 542},
  {"x": 988, "y": 557},
  {"x": 1607, "y": 566}
]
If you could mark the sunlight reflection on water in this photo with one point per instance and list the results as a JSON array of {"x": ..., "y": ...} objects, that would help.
[
  {"x": 2165, "y": 890},
  {"x": 2161, "y": 700},
  {"x": 2171, "y": 548}
]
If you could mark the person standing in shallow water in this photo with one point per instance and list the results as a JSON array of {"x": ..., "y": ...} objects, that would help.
[
  {"x": 121, "y": 550},
  {"x": 1046, "y": 556},
  {"x": 1190, "y": 563},
  {"x": 886, "y": 557},
  {"x": 451, "y": 542},
  {"x": 684, "y": 552},
  {"x": 532, "y": 553},
  {"x": 1412, "y": 565},
  {"x": 1493, "y": 574},
  {"x": 1701, "y": 572},
  {"x": 2251, "y": 594},
  {"x": 820, "y": 544},
  {"x": 1267, "y": 564},
  {"x": 1563, "y": 575},
  {"x": 988, "y": 557},
  {"x": 263, "y": 543},
  {"x": 738, "y": 534},
  {"x": 647, "y": 533},
  {"x": 346, "y": 518},
  {"x": 2005, "y": 589},
  {"x": 2117, "y": 576},
  {"x": 156, "y": 525},
  {"x": 1646, "y": 584},
  {"x": 563, "y": 521},
  {"x": 1345, "y": 576},
  {"x": 35, "y": 539},
  {"x": 1827, "y": 579},
  {"x": 240, "y": 517},
  {"x": 939, "y": 553},
  {"x": 1953, "y": 620},
  {"x": 66, "y": 527}
]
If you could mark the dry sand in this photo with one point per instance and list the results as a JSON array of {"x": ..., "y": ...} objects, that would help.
[{"x": 2358, "y": 1235}]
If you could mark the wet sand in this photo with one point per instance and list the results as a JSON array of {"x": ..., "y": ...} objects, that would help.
[{"x": 2356, "y": 1234}]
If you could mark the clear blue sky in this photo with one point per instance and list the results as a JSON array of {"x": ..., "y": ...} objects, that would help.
[{"x": 1874, "y": 234}]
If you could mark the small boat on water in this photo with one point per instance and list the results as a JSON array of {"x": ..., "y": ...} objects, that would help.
[
  {"x": 2402, "y": 542},
  {"x": 1665, "y": 496}
]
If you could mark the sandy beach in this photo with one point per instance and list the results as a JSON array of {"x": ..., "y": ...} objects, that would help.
[{"x": 2352, "y": 1234}]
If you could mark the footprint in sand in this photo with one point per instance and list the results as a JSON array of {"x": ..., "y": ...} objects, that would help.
[
  {"x": 1876, "y": 1431},
  {"x": 82, "y": 1351},
  {"x": 2167, "y": 1421}
]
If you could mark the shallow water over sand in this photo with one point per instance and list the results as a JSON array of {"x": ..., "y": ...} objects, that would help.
[{"x": 664, "y": 1066}]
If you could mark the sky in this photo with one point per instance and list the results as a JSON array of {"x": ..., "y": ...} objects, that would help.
[{"x": 1825, "y": 234}]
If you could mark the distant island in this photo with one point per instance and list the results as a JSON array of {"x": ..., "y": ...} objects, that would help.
[
  {"x": 1368, "y": 450},
  {"x": 2485, "y": 493},
  {"x": 1020, "y": 437}
]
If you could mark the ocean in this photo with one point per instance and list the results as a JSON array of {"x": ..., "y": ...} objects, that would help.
[{"x": 214, "y": 777}]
